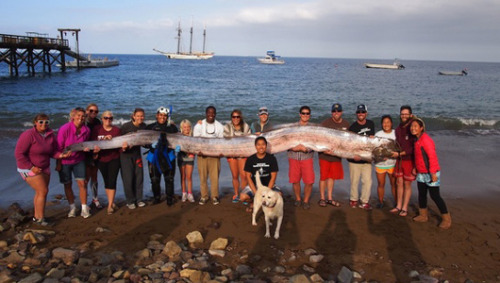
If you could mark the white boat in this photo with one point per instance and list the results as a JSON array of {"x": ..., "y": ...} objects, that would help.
[
  {"x": 453, "y": 73},
  {"x": 187, "y": 55},
  {"x": 394, "y": 66},
  {"x": 271, "y": 59},
  {"x": 93, "y": 63}
]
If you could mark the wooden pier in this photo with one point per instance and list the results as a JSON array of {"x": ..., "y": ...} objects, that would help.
[{"x": 35, "y": 49}]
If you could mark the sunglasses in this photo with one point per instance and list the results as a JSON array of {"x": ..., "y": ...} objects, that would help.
[
  {"x": 235, "y": 117},
  {"x": 43, "y": 122},
  {"x": 108, "y": 118},
  {"x": 360, "y": 112},
  {"x": 93, "y": 111},
  {"x": 334, "y": 111},
  {"x": 305, "y": 113}
]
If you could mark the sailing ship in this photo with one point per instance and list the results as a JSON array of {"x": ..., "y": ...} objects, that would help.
[{"x": 188, "y": 55}]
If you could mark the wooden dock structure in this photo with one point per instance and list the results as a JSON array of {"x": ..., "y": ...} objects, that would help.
[{"x": 34, "y": 49}]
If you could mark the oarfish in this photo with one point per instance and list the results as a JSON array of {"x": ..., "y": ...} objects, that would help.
[{"x": 339, "y": 143}]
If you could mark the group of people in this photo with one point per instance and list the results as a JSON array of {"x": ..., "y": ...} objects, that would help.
[{"x": 417, "y": 160}]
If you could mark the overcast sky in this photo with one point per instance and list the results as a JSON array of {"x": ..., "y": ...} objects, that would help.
[{"x": 456, "y": 30}]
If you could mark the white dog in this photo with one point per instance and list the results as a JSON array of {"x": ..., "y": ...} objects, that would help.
[{"x": 271, "y": 203}]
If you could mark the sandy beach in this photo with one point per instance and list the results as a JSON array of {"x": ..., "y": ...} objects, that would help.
[{"x": 377, "y": 244}]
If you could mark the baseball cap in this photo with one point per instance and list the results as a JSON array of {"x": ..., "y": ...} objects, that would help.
[
  {"x": 361, "y": 108},
  {"x": 163, "y": 110},
  {"x": 337, "y": 107},
  {"x": 263, "y": 110}
]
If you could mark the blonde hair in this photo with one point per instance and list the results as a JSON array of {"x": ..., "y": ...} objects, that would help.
[
  {"x": 73, "y": 112},
  {"x": 90, "y": 105},
  {"x": 106, "y": 113},
  {"x": 186, "y": 122}
]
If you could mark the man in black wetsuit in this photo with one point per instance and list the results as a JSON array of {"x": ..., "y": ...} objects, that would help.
[{"x": 162, "y": 165}]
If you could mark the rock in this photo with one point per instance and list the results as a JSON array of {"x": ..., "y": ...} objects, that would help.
[
  {"x": 436, "y": 272},
  {"x": 292, "y": 258},
  {"x": 356, "y": 275},
  {"x": 66, "y": 255},
  {"x": 155, "y": 245},
  {"x": 427, "y": 279},
  {"x": 2, "y": 227},
  {"x": 171, "y": 249},
  {"x": 219, "y": 244},
  {"x": 345, "y": 275},
  {"x": 316, "y": 278},
  {"x": 413, "y": 274},
  {"x": 32, "y": 278},
  {"x": 85, "y": 262},
  {"x": 279, "y": 269},
  {"x": 101, "y": 230},
  {"x": 30, "y": 237},
  {"x": 118, "y": 274},
  {"x": 6, "y": 278},
  {"x": 307, "y": 268},
  {"x": 316, "y": 258},
  {"x": 219, "y": 253},
  {"x": 195, "y": 239},
  {"x": 299, "y": 278},
  {"x": 55, "y": 273},
  {"x": 243, "y": 269},
  {"x": 14, "y": 258},
  {"x": 156, "y": 237},
  {"x": 196, "y": 276},
  {"x": 309, "y": 252},
  {"x": 186, "y": 255},
  {"x": 3, "y": 244},
  {"x": 143, "y": 254}
]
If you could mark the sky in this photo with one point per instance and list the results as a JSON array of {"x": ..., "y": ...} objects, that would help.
[{"x": 442, "y": 30}]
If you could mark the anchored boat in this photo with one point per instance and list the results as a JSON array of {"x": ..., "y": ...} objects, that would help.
[
  {"x": 271, "y": 59},
  {"x": 394, "y": 66},
  {"x": 452, "y": 73},
  {"x": 187, "y": 55},
  {"x": 93, "y": 63}
]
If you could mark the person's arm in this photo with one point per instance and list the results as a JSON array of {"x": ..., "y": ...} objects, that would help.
[
  {"x": 250, "y": 182},
  {"x": 227, "y": 131},
  {"x": 22, "y": 151},
  {"x": 272, "y": 182}
]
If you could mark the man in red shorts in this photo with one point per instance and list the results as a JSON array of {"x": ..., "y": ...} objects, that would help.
[
  {"x": 300, "y": 160},
  {"x": 404, "y": 164},
  {"x": 331, "y": 166}
]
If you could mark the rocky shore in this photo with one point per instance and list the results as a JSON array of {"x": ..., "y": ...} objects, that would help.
[{"x": 224, "y": 247}]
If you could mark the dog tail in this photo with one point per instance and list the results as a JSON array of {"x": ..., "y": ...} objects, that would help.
[{"x": 257, "y": 180}]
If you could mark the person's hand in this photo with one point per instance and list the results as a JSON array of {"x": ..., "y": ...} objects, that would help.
[
  {"x": 395, "y": 154},
  {"x": 434, "y": 177},
  {"x": 124, "y": 146},
  {"x": 153, "y": 145},
  {"x": 65, "y": 154},
  {"x": 178, "y": 149},
  {"x": 200, "y": 122},
  {"x": 86, "y": 149},
  {"x": 36, "y": 170},
  {"x": 107, "y": 137},
  {"x": 96, "y": 149},
  {"x": 414, "y": 171},
  {"x": 329, "y": 152},
  {"x": 357, "y": 157}
]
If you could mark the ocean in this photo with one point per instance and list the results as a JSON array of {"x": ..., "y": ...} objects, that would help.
[{"x": 460, "y": 112}]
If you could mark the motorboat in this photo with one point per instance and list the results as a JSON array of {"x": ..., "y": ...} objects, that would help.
[
  {"x": 271, "y": 59},
  {"x": 453, "y": 73},
  {"x": 93, "y": 63},
  {"x": 187, "y": 55},
  {"x": 394, "y": 66}
]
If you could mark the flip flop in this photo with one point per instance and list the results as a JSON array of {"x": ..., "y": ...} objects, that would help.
[
  {"x": 395, "y": 210},
  {"x": 322, "y": 203},
  {"x": 333, "y": 203}
]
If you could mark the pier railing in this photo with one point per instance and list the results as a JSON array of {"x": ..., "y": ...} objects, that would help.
[{"x": 19, "y": 41}]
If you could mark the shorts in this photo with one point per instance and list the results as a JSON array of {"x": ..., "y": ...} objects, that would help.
[
  {"x": 330, "y": 170},
  {"x": 426, "y": 178},
  {"x": 301, "y": 169},
  {"x": 77, "y": 169},
  {"x": 380, "y": 170},
  {"x": 403, "y": 169},
  {"x": 109, "y": 171},
  {"x": 25, "y": 173}
]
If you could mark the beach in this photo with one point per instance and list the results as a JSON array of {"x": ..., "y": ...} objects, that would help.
[{"x": 380, "y": 246}]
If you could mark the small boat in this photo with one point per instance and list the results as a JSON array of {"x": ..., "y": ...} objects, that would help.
[
  {"x": 452, "y": 73},
  {"x": 394, "y": 66},
  {"x": 93, "y": 63},
  {"x": 187, "y": 55},
  {"x": 271, "y": 59}
]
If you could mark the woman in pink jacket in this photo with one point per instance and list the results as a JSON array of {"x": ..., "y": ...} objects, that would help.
[
  {"x": 428, "y": 174},
  {"x": 33, "y": 151}
]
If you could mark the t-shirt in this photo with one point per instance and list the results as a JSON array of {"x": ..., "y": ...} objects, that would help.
[
  {"x": 265, "y": 166},
  {"x": 368, "y": 129},
  {"x": 129, "y": 127},
  {"x": 329, "y": 123},
  {"x": 98, "y": 134},
  {"x": 389, "y": 163}
]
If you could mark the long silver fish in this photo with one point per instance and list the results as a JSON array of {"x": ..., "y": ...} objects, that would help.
[{"x": 340, "y": 143}]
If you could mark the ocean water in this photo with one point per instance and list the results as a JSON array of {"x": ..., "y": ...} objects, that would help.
[{"x": 451, "y": 106}]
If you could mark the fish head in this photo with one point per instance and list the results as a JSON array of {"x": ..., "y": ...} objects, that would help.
[{"x": 381, "y": 153}]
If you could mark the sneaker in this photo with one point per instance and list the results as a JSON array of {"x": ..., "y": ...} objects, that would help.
[
  {"x": 111, "y": 211},
  {"x": 96, "y": 203},
  {"x": 236, "y": 198},
  {"x": 184, "y": 197},
  {"x": 85, "y": 213},
  {"x": 131, "y": 206},
  {"x": 41, "y": 222},
  {"x": 203, "y": 201},
  {"x": 72, "y": 212},
  {"x": 190, "y": 198},
  {"x": 215, "y": 200},
  {"x": 353, "y": 203},
  {"x": 141, "y": 204},
  {"x": 365, "y": 206}
]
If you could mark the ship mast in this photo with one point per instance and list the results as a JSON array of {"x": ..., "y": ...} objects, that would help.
[
  {"x": 191, "y": 40},
  {"x": 204, "y": 38},
  {"x": 179, "y": 31}
]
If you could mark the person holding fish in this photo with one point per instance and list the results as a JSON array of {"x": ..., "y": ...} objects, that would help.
[{"x": 236, "y": 128}]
